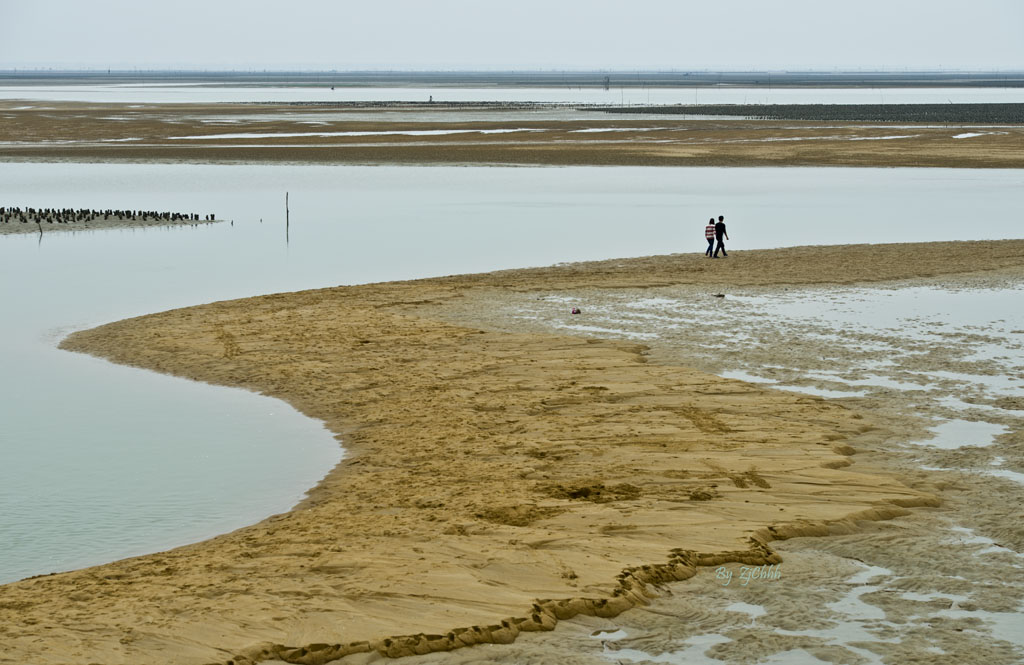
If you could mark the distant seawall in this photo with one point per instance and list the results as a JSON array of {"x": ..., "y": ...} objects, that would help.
[{"x": 954, "y": 113}]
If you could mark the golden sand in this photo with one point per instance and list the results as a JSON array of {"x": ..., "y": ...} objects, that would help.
[{"x": 494, "y": 482}]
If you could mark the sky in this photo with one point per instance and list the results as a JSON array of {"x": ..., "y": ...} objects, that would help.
[{"x": 524, "y": 34}]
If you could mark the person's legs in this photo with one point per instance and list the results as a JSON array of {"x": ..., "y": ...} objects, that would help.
[
  {"x": 721, "y": 247},
  {"x": 711, "y": 247}
]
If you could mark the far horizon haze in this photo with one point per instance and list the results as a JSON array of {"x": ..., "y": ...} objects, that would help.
[{"x": 315, "y": 35}]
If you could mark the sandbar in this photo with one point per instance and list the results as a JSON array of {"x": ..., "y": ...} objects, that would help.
[
  {"x": 486, "y": 135},
  {"x": 494, "y": 482}
]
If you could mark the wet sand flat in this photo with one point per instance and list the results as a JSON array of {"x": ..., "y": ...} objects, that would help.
[
  {"x": 435, "y": 134},
  {"x": 940, "y": 361},
  {"x": 495, "y": 482}
]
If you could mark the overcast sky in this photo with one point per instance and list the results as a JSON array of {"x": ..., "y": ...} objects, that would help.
[{"x": 523, "y": 34}]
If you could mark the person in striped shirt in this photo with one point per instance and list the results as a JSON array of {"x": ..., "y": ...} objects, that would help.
[{"x": 709, "y": 235}]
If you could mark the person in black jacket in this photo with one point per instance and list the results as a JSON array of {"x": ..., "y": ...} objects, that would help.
[{"x": 719, "y": 234}]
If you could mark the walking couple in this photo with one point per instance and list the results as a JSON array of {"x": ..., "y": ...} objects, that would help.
[{"x": 713, "y": 232}]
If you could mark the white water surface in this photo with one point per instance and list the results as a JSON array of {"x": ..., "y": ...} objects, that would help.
[
  {"x": 102, "y": 461},
  {"x": 953, "y": 434}
]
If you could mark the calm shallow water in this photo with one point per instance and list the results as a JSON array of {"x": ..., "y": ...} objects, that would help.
[
  {"x": 101, "y": 461},
  {"x": 167, "y": 94}
]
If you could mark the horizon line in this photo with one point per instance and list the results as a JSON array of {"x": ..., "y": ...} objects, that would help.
[{"x": 500, "y": 70}]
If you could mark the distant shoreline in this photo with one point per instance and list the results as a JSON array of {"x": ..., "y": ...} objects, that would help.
[
  {"x": 982, "y": 113},
  {"x": 956, "y": 113},
  {"x": 528, "y": 78},
  {"x": 425, "y": 133}
]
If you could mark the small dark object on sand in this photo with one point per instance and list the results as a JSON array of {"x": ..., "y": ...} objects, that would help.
[
  {"x": 719, "y": 295},
  {"x": 576, "y": 310}
]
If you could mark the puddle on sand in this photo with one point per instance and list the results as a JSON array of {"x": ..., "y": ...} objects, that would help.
[
  {"x": 954, "y": 434},
  {"x": 693, "y": 654},
  {"x": 746, "y": 608}
]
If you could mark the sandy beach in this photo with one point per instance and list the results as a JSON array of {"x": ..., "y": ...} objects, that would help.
[{"x": 497, "y": 481}]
